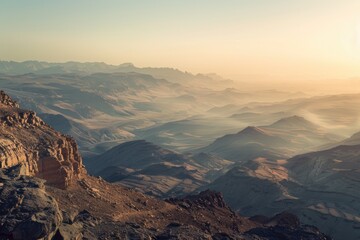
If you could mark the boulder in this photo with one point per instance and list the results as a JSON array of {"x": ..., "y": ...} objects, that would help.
[{"x": 26, "y": 210}]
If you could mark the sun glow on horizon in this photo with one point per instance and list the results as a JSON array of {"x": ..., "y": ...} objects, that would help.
[{"x": 278, "y": 39}]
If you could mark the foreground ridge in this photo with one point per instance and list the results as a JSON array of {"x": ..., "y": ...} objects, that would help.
[{"x": 95, "y": 209}]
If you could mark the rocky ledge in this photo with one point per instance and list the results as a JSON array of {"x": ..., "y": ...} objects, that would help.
[{"x": 26, "y": 139}]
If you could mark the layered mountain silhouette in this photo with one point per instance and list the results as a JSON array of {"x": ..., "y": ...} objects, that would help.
[
  {"x": 155, "y": 170},
  {"x": 255, "y": 187},
  {"x": 294, "y": 122},
  {"x": 272, "y": 165},
  {"x": 87, "y": 138},
  {"x": 320, "y": 187},
  {"x": 352, "y": 140},
  {"x": 46, "y": 68},
  {"x": 279, "y": 140},
  {"x": 45, "y": 193},
  {"x": 126, "y": 102},
  {"x": 335, "y": 112},
  {"x": 106, "y": 108}
]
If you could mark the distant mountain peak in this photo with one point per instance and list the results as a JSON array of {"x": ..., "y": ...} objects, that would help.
[
  {"x": 292, "y": 122},
  {"x": 253, "y": 130},
  {"x": 139, "y": 143},
  {"x": 125, "y": 65},
  {"x": 355, "y": 136},
  {"x": 294, "y": 118}
]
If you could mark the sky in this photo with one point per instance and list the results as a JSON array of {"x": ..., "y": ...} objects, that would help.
[{"x": 235, "y": 38}]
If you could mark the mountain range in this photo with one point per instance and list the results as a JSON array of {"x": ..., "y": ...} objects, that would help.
[
  {"x": 169, "y": 154},
  {"x": 154, "y": 170},
  {"x": 280, "y": 140},
  {"x": 127, "y": 102},
  {"x": 45, "y": 193}
]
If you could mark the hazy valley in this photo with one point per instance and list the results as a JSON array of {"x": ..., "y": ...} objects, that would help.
[
  {"x": 167, "y": 134},
  {"x": 180, "y": 120}
]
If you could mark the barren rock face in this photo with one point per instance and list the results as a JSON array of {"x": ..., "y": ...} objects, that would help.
[
  {"x": 26, "y": 210},
  {"x": 25, "y": 138},
  {"x": 205, "y": 199},
  {"x": 6, "y": 100}
]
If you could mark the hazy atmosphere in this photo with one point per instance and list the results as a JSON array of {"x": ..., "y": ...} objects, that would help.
[
  {"x": 235, "y": 38},
  {"x": 186, "y": 120}
]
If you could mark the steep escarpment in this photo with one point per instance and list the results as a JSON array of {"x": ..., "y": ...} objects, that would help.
[{"x": 26, "y": 139}]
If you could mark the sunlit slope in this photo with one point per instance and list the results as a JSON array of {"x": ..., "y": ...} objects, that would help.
[{"x": 279, "y": 140}]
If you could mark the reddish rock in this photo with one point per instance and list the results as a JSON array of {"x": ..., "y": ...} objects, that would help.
[{"x": 46, "y": 153}]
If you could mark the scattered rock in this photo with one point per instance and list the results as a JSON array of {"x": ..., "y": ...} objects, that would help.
[
  {"x": 205, "y": 199},
  {"x": 174, "y": 224},
  {"x": 286, "y": 233},
  {"x": 25, "y": 208}
]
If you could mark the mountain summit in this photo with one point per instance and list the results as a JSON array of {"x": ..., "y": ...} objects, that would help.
[{"x": 294, "y": 122}]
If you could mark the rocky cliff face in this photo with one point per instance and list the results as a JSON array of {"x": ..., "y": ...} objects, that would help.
[{"x": 26, "y": 139}]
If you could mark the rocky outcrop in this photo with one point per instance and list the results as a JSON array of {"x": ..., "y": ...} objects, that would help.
[
  {"x": 286, "y": 233},
  {"x": 281, "y": 219},
  {"x": 26, "y": 139},
  {"x": 7, "y": 100},
  {"x": 11, "y": 152},
  {"x": 26, "y": 210},
  {"x": 206, "y": 199}
]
